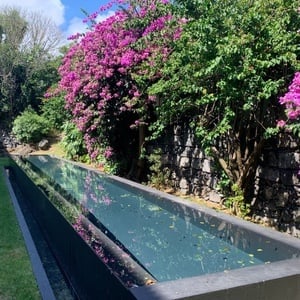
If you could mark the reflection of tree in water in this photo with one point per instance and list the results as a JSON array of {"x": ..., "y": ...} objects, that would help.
[
  {"x": 94, "y": 192},
  {"x": 114, "y": 256},
  {"x": 85, "y": 186}
]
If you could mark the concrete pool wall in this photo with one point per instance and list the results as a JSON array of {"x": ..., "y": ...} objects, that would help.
[{"x": 279, "y": 279}]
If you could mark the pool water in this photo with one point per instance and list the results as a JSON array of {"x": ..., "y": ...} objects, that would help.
[{"x": 169, "y": 244}]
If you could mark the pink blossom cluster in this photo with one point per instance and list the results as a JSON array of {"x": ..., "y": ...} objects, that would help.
[
  {"x": 100, "y": 71},
  {"x": 89, "y": 236},
  {"x": 291, "y": 101},
  {"x": 52, "y": 92}
]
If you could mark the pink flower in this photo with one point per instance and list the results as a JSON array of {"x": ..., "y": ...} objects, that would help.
[
  {"x": 281, "y": 123},
  {"x": 291, "y": 99},
  {"x": 293, "y": 114},
  {"x": 105, "y": 70},
  {"x": 108, "y": 152},
  {"x": 106, "y": 200}
]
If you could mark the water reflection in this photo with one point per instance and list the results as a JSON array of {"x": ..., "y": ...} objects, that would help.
[{"x": 171, "y": 241}]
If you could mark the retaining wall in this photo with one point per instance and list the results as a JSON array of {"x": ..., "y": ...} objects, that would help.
[{"x": 277, "y": 184}]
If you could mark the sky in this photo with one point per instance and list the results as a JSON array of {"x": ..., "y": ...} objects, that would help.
[{"x": 66, "y": 14}]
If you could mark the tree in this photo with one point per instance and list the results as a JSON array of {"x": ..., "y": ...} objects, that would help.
[
  {"x": 106, "y": 73},
  {"x": 232, "y": 61},
  {"x": 42, "y": 36},
  {"x": 13, "y": 28},
  {"x": 25, "y": 52}
]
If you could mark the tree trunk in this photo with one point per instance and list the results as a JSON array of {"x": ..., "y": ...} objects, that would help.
[{"x": 141, "y": 160}]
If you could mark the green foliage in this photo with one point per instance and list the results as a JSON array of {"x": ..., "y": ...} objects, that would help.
[
  {"x": 53, "y": 110},
  {"x": 224, "y": 184},
  {"x": 225, "y": 74},
  {"x": 236, "y": 203},
  {"x": 295, "y": 129},
  {"x": 271, "y": 132},
  {"x": 36, "y": 81},
  {"x": 234, "y": 196},
  {"x": 159, "y": 177},
  {"x": 73, "y": 142},
  {"x": 109, "y": 166},
  {"x": 30, "y": 127},
  {"x": 230, "y": 63}
]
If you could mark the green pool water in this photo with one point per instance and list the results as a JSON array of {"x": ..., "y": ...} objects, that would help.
[{"x": 167, "y": 242}]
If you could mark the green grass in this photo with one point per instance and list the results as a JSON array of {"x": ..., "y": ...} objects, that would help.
[{"x": 17, "y": 280}]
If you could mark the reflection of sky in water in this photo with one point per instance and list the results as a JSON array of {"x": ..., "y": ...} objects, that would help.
[{"x": 169, "y": 246}]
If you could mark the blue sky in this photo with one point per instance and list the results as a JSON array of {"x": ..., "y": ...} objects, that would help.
[
  {"x": 65, "y": 13},
  {"x": 73, "y": 13},
  {"x": 72, "y": 7}
]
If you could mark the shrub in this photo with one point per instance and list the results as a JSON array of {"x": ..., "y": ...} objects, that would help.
[
  {"x": 53, "y": 110},
  {"x": 30, "y": 127},
  {"x": 73, "y": 142},
  {"x": 159, "y": 177}
]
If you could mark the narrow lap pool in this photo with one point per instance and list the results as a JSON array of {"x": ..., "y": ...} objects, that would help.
[{"x": 181, "y": 245}]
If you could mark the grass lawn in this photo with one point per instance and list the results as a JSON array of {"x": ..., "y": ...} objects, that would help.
[{"x": 17, "y": 280}]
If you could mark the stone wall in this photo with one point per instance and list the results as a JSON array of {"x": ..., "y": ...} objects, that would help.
[
  {"x": 7, "y": 140},
  {"x": 192, "y": 172},
  {"x": 277, "y": 184}
]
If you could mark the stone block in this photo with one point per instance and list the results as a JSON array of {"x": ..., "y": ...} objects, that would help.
[
  {"x": 268, "y": 193},
  {"x": 184, "y": 162},
  {"x": 197, "y": 153},
  {"x": 188, "y": 151},
  {"x": 296, "y": 214},
  {"x": 166, "y": 159},
  {"x": 282, "y": 200},
  {"x": 184, "y": 186},
  {"x": 270, "y": 174},
  {"x": 206, "y": 166},
  {"x": 288, "y": 160},
  {"x": 189, "y": 140},
  {"x": 288, "y": 177},
  {"x": 196, "y": 164},
  {"x": 43, "y": 144},
  {"x": 214, "y": 197},
  {"x": 270, "y": 159},
  {"x": 177, "y": 130},
  {"x": 183, "y": 183},
  {"x": 177, "y": 140}
]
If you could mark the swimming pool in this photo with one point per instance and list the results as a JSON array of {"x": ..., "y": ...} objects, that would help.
[{"x": 181, "y": 245}]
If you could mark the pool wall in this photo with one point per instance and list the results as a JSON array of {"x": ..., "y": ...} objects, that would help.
[{"x": 277, "y": 280}]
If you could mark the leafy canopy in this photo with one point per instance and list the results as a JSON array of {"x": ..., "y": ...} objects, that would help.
[{"x": 232, "y": 61}]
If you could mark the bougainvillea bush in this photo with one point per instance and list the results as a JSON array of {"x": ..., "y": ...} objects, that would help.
[
  {"x": 107, "y": 71},
  {"x": 291, "y": 102}
]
